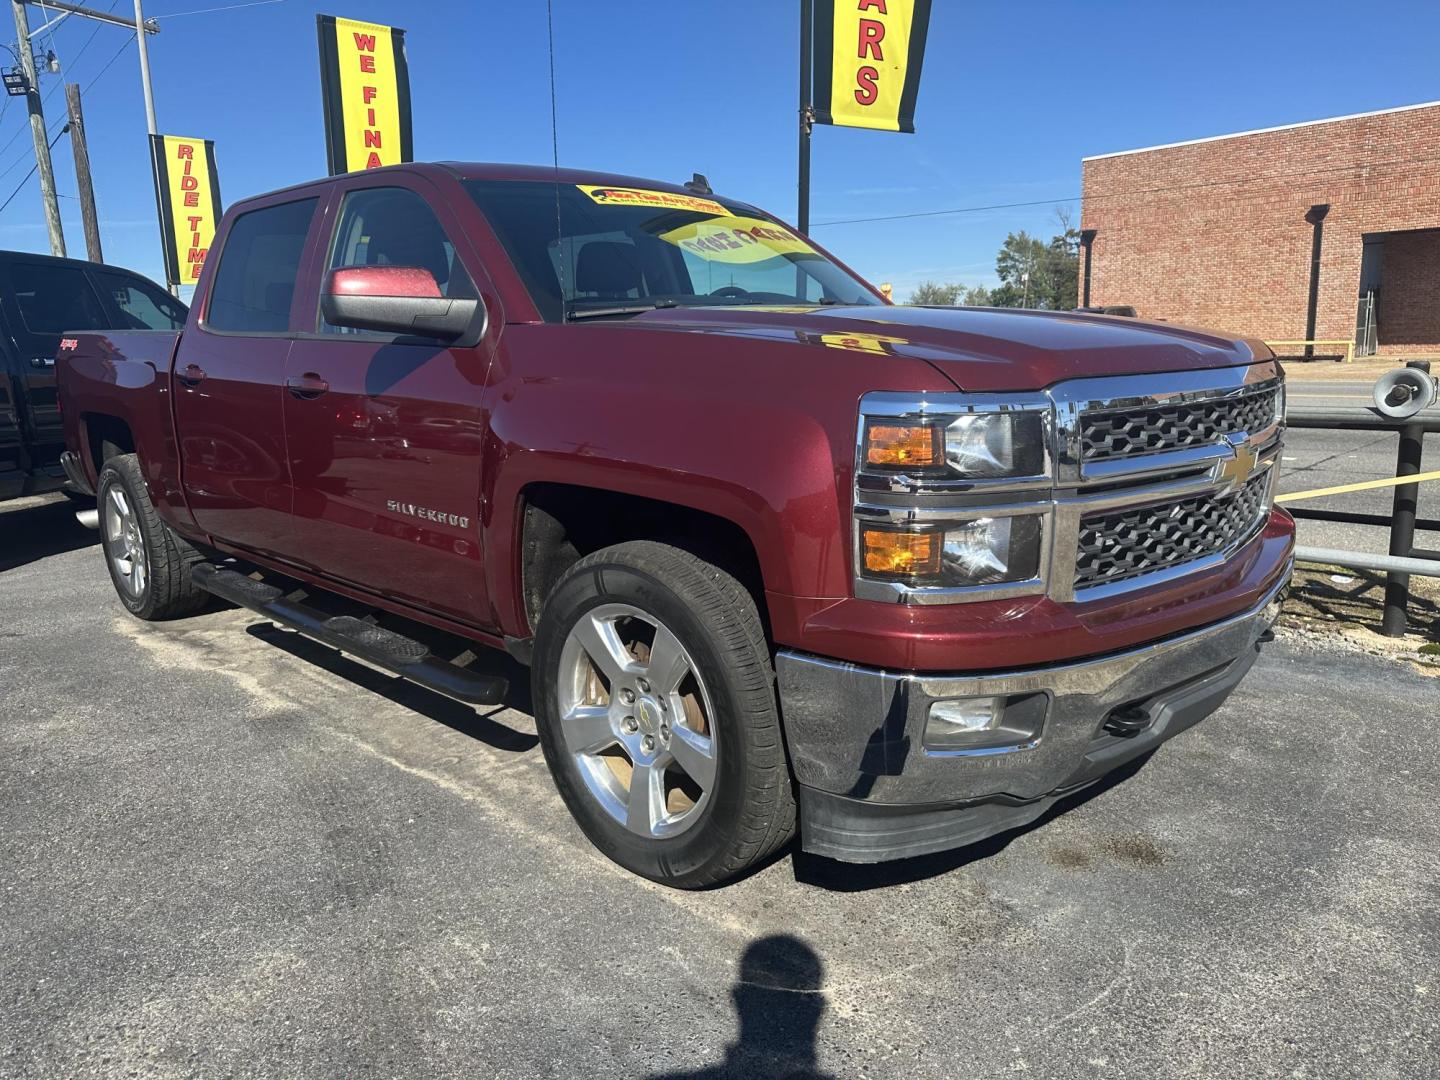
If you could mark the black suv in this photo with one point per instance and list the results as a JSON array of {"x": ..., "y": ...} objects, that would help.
[{"x": 40, "y": 297}]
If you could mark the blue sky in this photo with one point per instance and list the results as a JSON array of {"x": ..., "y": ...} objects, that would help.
[{"x": 1014, "y": 95}]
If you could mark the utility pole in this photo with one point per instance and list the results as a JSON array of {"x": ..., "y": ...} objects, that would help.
[
  {"x": 37, "y": 129},
  {"x": 81, "y": 152},
  {"x": 37, "y": 120}
]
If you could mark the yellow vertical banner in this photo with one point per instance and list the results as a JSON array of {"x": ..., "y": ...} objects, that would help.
[
  {"x": 868, "y": 55},
  {"x": 365, "y": 87},
  {"x": 187, "y": 191}
]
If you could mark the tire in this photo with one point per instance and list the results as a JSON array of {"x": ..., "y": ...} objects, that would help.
[
  {"x": 701, "y": 690},
  {"x": 149, "y": 564}
]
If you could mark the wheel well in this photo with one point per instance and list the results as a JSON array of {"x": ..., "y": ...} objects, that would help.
[
  {"x": 106, "y": 436},
  {"x": 563, "y": 523}
]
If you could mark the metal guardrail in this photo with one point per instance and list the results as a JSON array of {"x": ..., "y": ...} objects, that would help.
[
  {"x": 1404, "y": 557},
  {"x": 1280, "y": 347}
]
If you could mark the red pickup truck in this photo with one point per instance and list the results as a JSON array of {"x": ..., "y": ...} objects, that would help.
[{"x": 779, "y": 554}]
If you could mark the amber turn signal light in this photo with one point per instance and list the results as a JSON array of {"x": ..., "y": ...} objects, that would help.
[
  {"x": 901, "y": 554},
  {"x": 903, "y": 446}
]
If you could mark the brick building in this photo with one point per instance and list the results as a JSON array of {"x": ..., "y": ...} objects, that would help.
[{"x": 1219, "y": 232}]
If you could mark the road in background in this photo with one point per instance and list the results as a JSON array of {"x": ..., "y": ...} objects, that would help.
[
  {"x": 1320, "y": 459},
  {"x": 228, "y": 851},
  {"x": 1316, "y": 458},
  {"x": 1337, "y": 394}
]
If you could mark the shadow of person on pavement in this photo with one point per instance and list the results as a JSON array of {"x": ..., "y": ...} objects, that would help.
[{"x": 780, "y": 1004}]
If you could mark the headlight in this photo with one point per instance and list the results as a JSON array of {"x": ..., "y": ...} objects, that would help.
[
  {"x": 954, "y": 496},
  {"x": 996, "y": 444},
  {"x": 989, "y": 445},
  {"x": 982, "y": 551}
]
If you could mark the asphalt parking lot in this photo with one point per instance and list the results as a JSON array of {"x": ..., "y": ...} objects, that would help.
[{"x": 225, "y": 851}]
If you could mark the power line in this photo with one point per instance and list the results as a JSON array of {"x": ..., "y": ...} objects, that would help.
[
  {"x": 226, "y": 7},
  {"x": 46, "y": 96},
  {"x": 31, "y": 173},
  {"x": 1258, "y": 178},
  {"x": 64, "y": 124}
]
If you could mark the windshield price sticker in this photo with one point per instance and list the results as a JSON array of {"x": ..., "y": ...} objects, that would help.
[
  {"x": 736, "y": 239},
  {"x": 661, "y": 200}
]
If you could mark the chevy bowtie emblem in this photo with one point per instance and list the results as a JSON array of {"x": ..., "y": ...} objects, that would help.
[{"x": 1233, "y": 472}]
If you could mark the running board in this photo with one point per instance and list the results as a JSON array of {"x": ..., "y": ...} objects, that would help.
[{"x": 394, "y": 652}]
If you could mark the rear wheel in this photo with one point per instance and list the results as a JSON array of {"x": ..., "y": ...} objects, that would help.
[
  {"x": 148, "y": 563},
  {"x": 655, "y": 698}
]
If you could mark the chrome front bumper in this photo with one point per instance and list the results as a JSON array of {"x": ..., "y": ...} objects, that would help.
[{"x": 870, "y": 790}]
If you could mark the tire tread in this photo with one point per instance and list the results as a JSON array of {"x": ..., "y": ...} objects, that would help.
[
  {"x": 728, "y": 608},
  {"x": 172, "y": 594}
]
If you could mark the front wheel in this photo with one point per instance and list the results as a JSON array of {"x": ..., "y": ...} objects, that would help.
[
  {"x": 655, "y": 704},
  {"x": 148, "y": 563}
]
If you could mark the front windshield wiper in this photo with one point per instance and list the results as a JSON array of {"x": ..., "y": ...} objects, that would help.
[{"x": 617, "y": 310}]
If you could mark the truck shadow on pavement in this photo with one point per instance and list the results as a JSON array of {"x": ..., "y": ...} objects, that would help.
[
  {"x": 32, "y": 530},
  {"x": 848, "y": 877},
  {"x": 779, "y": 1002},
  {"x": 465, "y": 719}
]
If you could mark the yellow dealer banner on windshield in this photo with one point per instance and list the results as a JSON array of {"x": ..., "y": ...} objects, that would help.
[
  {"x": 734, "y": 239},
  {"x": 868, "y": 55},
  {"x": 660, "y": 200},
  {"x": 365, "y": 85},
  {"x": 188, "y": 192}
]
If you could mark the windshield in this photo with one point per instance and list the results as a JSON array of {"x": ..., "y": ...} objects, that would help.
[{"x": 617, "y": 251}]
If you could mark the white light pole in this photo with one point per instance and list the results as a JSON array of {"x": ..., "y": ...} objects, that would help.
[{"x": 145, "y": 70}]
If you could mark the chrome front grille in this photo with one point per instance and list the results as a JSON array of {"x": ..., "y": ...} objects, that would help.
[
  {"x": 1133, "y": 542},
  {"x": 1147, "y": 479},
  {"x": 1175, "y": 425}
]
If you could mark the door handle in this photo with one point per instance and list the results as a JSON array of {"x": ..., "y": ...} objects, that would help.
[
  {"x": 306, "y": 386},
  {"x": 192, "y": 375}
]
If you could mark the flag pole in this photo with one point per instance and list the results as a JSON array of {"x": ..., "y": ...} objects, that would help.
[{"x": 807, "y": 112}]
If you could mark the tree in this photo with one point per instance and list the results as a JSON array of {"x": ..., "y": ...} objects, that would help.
[
  {"x": 1037, "y": 274},
  {"x": 929, "y": 294},
  {"x": 1020, "y": 266},
  {"x": 950, "y": 294}
]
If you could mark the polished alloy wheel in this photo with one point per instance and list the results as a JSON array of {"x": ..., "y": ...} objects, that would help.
[
  {"x": 637, "y": 720},
  {"x": 124, "y": 543}
]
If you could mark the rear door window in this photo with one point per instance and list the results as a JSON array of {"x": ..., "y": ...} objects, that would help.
[
  {"x": 53, "y": 298},
  {"x": 141, "y": 306},
  {"x": 255, "y": 279}
]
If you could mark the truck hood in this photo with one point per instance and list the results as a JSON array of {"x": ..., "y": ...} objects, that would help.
[{"x": 978, "y": 349}]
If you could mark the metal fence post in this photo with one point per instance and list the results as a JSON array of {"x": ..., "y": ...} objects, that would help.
[{"x": 1402, "y": 529}]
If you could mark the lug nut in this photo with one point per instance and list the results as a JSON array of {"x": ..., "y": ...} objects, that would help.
[
  {"x": 648, "y": 744},
  {"x": 665, "y": 732},
  {"x": 630, "y": 725},
  {"x": 627, "y": 696},
  {"x": 644, "y": 685}
]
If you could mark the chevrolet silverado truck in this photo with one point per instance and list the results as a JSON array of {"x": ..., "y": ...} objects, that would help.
[
  {"x": 779, "y": 555},
  {"x": 39, "y": 297}
]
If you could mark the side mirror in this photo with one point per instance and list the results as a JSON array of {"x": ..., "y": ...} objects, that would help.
[{"x": 395, "y": 300}]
